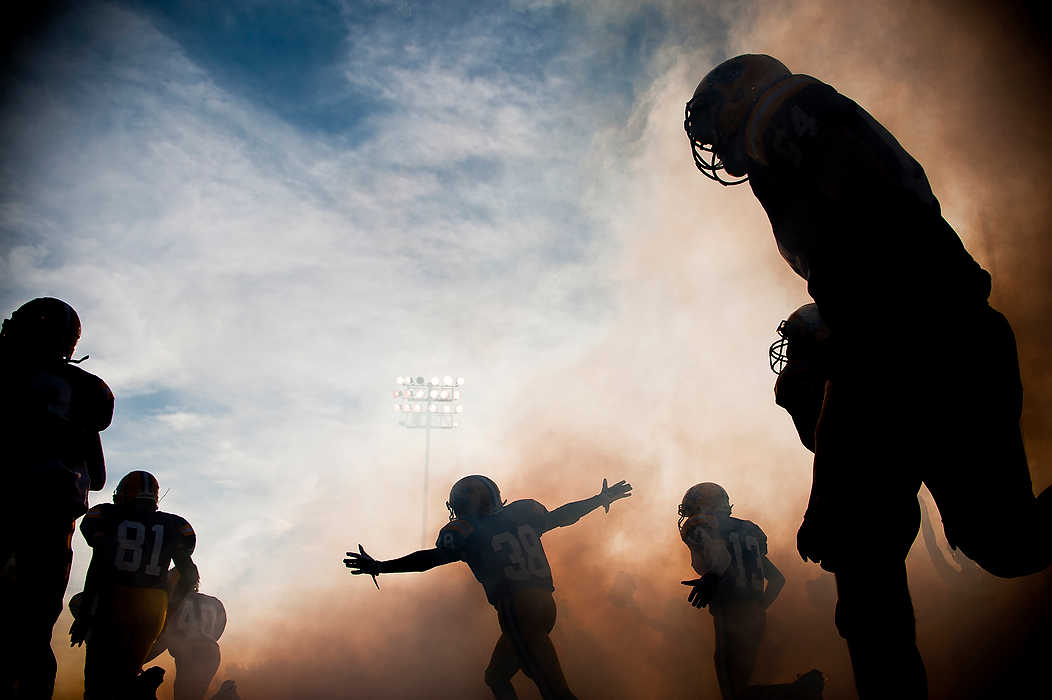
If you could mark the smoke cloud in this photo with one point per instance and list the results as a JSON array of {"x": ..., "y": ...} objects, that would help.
[{"x": 678, "y": 392}]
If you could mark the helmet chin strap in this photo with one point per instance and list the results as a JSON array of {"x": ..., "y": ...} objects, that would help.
[{"x": 77, "y": 362}]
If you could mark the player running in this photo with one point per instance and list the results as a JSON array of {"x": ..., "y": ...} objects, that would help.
[
  {"x": 501, "y": 543},
  {"x": 738, "y": 583}
]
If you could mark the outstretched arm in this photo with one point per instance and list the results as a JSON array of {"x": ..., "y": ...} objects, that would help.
[
  {"x": 572, "y": 512},
  {"x": 417, "y": 561},
  {"x": 775, "y": 581}
]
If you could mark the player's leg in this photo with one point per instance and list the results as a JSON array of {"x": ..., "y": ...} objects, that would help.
[
  {"x": 42, "y": 562},
  {"x": 196, "y": 664},
  {"x": 722, "y": 655},
  {"x": 528, "y": 619},
  {"x": 142, "y": 619},
  {"x": 977, "y": 468},
  {"x": 100, "y": 671},
  {"x": 129, "y": 621},
  {"x": 503, "y": 664},
  {"x": 874, "y": 614},
  {"x": 870, "y": 517}
]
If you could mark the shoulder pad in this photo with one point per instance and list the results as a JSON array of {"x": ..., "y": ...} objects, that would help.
[
  {"x": 187, "y": 538},
  {"x": 94, "y": 519},
  {"x": 770, "y": 104},
  {"x": 750, "y": 529},
  {"x": 526, "y": 506},
  {"x": 95, "y": 395},
  {"x": 452, "y": 536}
]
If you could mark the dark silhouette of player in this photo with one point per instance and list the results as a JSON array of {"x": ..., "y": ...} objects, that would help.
[
  {"x": 126, "y": 591},
  {"x": 738, "y": 583},
  {"x": 52, "y": 413},
  {"x": 193, "y": 625},
  {"x": 903, "y": 402},
  {"x": 501, "y": 543},
  {"x": 192, "y": 628}
]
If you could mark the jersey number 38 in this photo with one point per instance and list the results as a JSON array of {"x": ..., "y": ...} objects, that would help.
[{"x": 524, "y": 551}]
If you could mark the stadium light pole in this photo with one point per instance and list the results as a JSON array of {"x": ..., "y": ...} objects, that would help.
[{"x": 428, "y": 404}]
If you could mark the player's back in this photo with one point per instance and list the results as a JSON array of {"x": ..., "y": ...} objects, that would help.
[
  {"x": 135, "y": 546},
  {"x": 744, "y": 578},
  {"x": 852, "y": 211},
  {"x": 504, "y": 549}
]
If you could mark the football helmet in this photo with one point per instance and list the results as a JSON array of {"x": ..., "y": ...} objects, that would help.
[
  {"x": 137, "y": 488},
  {"x": 45, "y": 326},
  {"x": 715, "y": 116},
  {"x": 803, "y": 334},
  {"x": 704, "y": 498},
  {"x": 474, "y": 495}
]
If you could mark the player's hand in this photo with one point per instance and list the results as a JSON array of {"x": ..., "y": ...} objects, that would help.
[
  {"x": 609, "y": 494},
  {"x": 361, "y": 563},
  {"x": 702, "y": 589},
  {"x": 811, "y": 542},
  {"x": 78, "y": 631}
]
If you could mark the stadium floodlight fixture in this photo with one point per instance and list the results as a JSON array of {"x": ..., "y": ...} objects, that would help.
[{"x": 433, "y": 404}]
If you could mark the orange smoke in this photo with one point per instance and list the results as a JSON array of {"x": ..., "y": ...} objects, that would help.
[{"x": 679, "y": 393}]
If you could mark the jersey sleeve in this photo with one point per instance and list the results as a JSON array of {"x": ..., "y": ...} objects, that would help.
[
  {"x": 94, "y": 405},
  {"x": 535, "y": 514},
  {"x": 752, "y": 529},
  {"x": 453, "y": 537},
  {"x": 94, "y": 522},
  {"x": 185, "y": 538}
]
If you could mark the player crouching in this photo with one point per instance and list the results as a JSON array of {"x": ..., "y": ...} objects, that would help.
[
  {"x": 501, "y": 543},
  {"x": 125, "y": 593}
]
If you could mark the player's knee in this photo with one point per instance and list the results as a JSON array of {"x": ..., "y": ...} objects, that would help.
[{"x": 497, "y": 679}]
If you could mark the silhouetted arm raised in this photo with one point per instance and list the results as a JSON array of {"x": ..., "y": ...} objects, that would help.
[{"x": 572, "y": 512}]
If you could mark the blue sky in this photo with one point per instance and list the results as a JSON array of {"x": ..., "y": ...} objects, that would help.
[{"x": 264, "y": 212}]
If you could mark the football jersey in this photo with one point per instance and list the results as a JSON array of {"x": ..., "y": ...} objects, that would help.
[
  {"x": 134, "y": 547},
  {"x": 199, "y": 617},
  {"x": 504, "y": 549},
  {"x": 852, "y": 211},
  {"x": 746, "y": 545},
  {"x": 50, "y": 418}
]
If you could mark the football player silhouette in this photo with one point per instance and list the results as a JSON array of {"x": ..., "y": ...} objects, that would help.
[
  {"x": 126, "y": 591},
  {"x": 193, "y": 625},
  {"x": 501, "y": 543},
  {"x": 192, "y": 628},
  {"x": 738, "y": 582},
  {"x": 853, "y": 214},
  {"x": 52, "y": 413}
]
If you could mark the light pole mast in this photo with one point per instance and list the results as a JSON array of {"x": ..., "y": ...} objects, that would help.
[{"x": 423, "y": 404}]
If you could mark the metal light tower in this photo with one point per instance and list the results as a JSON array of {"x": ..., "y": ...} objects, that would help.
[{"x": 427, "y": 404}]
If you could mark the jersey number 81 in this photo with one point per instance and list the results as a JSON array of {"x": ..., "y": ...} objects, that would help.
[{"x": 131, "y": 536}]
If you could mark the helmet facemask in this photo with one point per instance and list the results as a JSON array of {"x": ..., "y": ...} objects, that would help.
[
  {"x": 778, "y": 353},
  {"x": 702, "y": 142},
  {"x": 707, "y": 499}
]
